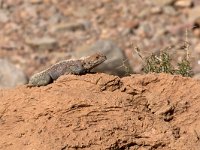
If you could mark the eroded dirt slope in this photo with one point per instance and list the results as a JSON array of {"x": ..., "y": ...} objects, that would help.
[{"x": 100, "y": 111}]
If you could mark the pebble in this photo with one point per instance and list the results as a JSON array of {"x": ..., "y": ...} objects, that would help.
[
  {"x": 183, "y": 3},
  {"x": 71, "y": 26},
  {"x": 10, "y": 76},
  {"x": 36, "y": 1},
  {"x": 197, "y": 76},
  {"x": 156, "y": 10},
  {"x": 162, "y": 2},
  {"x": 169, "y": 10},
  {"x": 197, "y": 49},
  {"x": 4, "y": 16},
  {"x": 42, "y": 43},
  {"x": 196, "y": 32},
  {"x": 194, "y": 14}
]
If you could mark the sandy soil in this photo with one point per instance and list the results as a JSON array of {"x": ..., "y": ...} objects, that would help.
[{"x": 100, "y": 111}]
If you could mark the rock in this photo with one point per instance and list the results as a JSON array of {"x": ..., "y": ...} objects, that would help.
[
  {"x": 162, "y": 2},
  {"x": 36, "y": 1},
  {"x": 194, "y": 14},
  {"x": 197, "y": 22},
  {"x": 145, "y": 30},
  {"x": 55, "y": 19},
  {"x": 28, "y": 13},
  {"x": 196, "y": 32},
  {"x": 197, "y": 48},
  {"x": 196, "y": 2},
  {"x": 159, "y": 33},
  {"x": 156, "y": 10},
  {"x": 71, "y": 26},
  {"x": 114, "y": 64},
  {"x": 126, "y": 31},
  {"x": 183, "y": 3},
  {"x": 169, "y": 10},
  {"x": 10, "y": 76},
  {"x": 132, "y": 24},
  {"x": 42, "y": 43},
  {"x": 144, "y": 13},
  {"x": 195, "y": 63},
  {"x": 129, "y": 27},
  {"x": 81, "y": 12},
  {"x": 11, "y": 3},
  {"x": 4, "y": 16},
  {"x": 197, "y": 76},
  {"x": 180, "y": 28}
]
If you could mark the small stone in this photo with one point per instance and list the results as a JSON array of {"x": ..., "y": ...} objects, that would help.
[
  {"x": 194, "y": 14},
  {"x": 132, "y": 24},
  {"x": 4, "y": 16},
  {"x": 156, "y": 10},
  {"x": 197, "y": 48},
  {"x": 197, "y": 22},
  {"x": 197, "y": 76},
  {"x": 178, "y": 29},
  {"x": 144, "y": 30},
  {"x": 169, "y": 10},
  {"x": 196, "y": 32},
  {"x": 11, "y": 3},
  {"x": 42, "y": 43},
  {"x": 126, "y": 31},
  {"x": 54, "y": 19},
  {"x": 163, "y": 2},
  {"x": 196, "y": 2},
  {"x": 72, "y": 26},
  {"x": 144, "y": 13},
  {"x": 116, "y": 63},
  {"x": 183, "y": 3},
  {"x": 29, "y": 13},
  {"x": 129, "y": 27},
  {"x": 36, "y": 1},
  {"x": 81, "y": 12},
  {"x": 10, "y": 76},
  {"x": 196, "y": 27},
  {"x": 160, "y": 32}
]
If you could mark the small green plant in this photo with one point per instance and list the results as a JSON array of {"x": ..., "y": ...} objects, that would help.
[
  {"x": 184, "y": 68},
  {"x": 158, "y": 64},
  {"x": 162, "y": 64}
]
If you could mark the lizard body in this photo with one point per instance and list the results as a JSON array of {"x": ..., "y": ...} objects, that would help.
[{"x": 77, "y": 67}]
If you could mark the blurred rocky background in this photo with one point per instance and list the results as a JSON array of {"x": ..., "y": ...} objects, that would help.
[{"x": 38, "y": 33}]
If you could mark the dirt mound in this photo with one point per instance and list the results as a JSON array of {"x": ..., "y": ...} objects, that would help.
[{"x": 99, "y": 111}]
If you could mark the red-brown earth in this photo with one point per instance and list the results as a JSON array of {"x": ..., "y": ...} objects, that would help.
[{"x": 100, "y": 111}]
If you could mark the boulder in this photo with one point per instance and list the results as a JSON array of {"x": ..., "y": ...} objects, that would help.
[
  {"x": 116, "y": 63},
  {"x": 10, "y": 76}
]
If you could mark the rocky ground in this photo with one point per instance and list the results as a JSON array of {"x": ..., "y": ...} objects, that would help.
[
  {"x": 122, "y": 111},
  {"x": 37, "y": 33}
]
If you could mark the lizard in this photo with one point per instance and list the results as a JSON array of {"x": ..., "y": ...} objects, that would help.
[{"x": 72, "y": 66}]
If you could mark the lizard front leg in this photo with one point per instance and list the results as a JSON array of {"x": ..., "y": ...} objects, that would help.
[{"x": 40, "y": 79}]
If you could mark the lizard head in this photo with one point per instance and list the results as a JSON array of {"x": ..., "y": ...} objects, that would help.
[{"x": 92, "y": 61}]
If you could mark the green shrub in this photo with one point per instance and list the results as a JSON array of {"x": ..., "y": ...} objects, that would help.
[
  {"x": 162, "y": 64},
  {"x": 184, "y": 68},
  {"x": 158, "y": 64}
]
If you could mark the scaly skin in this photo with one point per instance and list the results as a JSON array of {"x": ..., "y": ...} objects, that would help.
[{"x": 77, "y": 67}]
